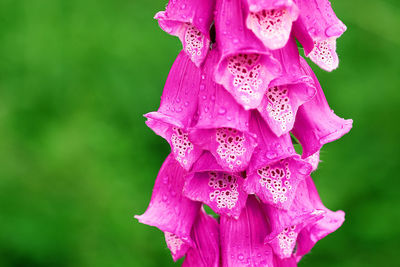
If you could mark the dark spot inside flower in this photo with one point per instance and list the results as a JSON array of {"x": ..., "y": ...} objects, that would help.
[{"x": 212, "y": 34}]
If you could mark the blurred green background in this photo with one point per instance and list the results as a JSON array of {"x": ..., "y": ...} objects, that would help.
[{"x": 77, "y": 161}]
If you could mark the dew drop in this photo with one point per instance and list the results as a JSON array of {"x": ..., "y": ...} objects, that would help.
[
  {"x": 202, "y": 87},
  {"x": 165, "y": 180},
  {"x": 183, "y": 6},
  {"x": 240, "y": 257},
  {"x": 271, "y": 155},
  {"x": 221, "y": 111},
  {"x": 186, "y": 104},
  {"x": 204, "y": 97},
  {"x": 203, "y": 76},
  {"x": 312, "y": 31},
  {"x": 235, "y": 41}
]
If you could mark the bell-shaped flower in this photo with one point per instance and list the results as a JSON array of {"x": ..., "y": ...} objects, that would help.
[
  {"x": 245, "y": 67},
  {"x": 275, "y": 169},
  {"x": 271, "y": 20},
  {"x": 169, "y": 210},
  {"x": 222, "y": 191},
  {"x": 314, "y": 232},
  {"x": 287, "y": 92},
  {"x": 287, "y": 224},
  {"x": 177, "y": 109},
  {"x": 190, "y": 21},
  {"x": 316, "y": 124},
  {"x": 242, "y": 240},
  {"x": 287, "y": 262},
  {"x": 317, "y": 29},
  {"x": 205, "y": 236},
  {"x": 223, "y": 125}
]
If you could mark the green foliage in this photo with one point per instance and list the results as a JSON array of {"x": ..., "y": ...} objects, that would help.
[{"x": 77, "y": 161}]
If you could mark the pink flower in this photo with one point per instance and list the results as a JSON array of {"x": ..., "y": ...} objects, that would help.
[{"x": 228, "y": 110}]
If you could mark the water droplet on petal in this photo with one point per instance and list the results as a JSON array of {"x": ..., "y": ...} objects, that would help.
[
  {"x": 183, "y": 6},
  {"x": 271, "y": 155},
  {"x": 240, "y": 257},
  {"x": 312, "y": 31},
  {"x": 221, "y": 111},
  {"x": 186, "y": 104},
  {"x": 202, "y": 87}
]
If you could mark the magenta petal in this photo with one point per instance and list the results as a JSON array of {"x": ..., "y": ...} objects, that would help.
[
  {"x": 275, "y": 169},
  {"x": 231, "y": 148},
  {"x": 220, "y": 190},
  {"x": 287, "y": 92},
  {"x": 288, "y": 262},
  {"x": 313, "y": 160},
  {"x": 190, "y": 20},
  {"x": 316, "y": 124},
  {"x": 205, "y": 236},
  {"x": 271, "y": 21},
  {"x": 317, "y": 29},
  {"x": 177, "y": 109},
  {"x": 242, "y": 240},
  {"x": 245, "y": 67},
  {"x": 312, "y": 233},
  {"x": 223, "y": 125},
  {"x": 286, "y": 225},
  {"x": 276, "y": 183},
  {"x": 169, "y": 210}
]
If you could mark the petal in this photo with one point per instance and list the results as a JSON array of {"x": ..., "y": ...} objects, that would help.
[
  {"x": 286, "y": 225},
  {"x": 316, "y": 124},
  {"x": 270, "y": 147},
  {"x": 287, "y": 92},
  {"x": 169, "y": 210},
  {"x": 179, "y": 99},
  {"x": 312, "y": 233},
  {"x": 275, "y": 169},
  {"x": 231, "y": 148},
  {"x": 190, "y": 20},
  {"x": 223, "y": 125},
  {"x": 217, "y": 108},
  {"x": 220, "y": 190},
  {"x": 177, "y": 109},
  {"x": 313, "y": 160},
  {"x": 317, "y": 29},
  {"x": 245, "y": 67},
  {"x": 271, "y": 21},
  {"x": 276, "y": 183},
  {"x": 205, "y": 236},
  {"x": 288, "y": 262},
  {"x": 242, "y": 240}
]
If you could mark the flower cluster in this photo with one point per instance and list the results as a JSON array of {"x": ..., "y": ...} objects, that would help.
[{"x": 236, "y": 95}]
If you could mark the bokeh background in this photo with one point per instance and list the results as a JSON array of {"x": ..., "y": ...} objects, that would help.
[{"x": 77, "y": 161}]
